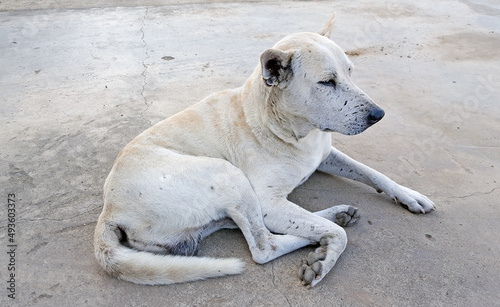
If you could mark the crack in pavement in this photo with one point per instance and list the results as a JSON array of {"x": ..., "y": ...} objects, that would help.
[
  {"x": 276, "y": 287},
  {"x": 476, "y": 193},
  {"x": 143, "y": 74}
]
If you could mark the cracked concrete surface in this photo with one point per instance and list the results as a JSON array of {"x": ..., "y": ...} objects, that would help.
[
  {"x": 80, "y": 80},
  {"x": 145, "y": 83}
]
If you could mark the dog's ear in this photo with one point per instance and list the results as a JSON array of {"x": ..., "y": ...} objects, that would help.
[
  {"x": 276, "y": 69},
  {"x": 327, "y": 29}
]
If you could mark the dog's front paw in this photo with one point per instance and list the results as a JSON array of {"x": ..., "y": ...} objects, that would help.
[
  {"x": 411, "y": 200},
  {"x": 311, "y": 269}
]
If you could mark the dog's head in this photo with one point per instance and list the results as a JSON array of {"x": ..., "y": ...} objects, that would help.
[{"x": 312, "y": 75}]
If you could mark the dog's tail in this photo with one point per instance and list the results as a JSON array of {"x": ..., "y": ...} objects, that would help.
[{"x": 147, "y": 268}]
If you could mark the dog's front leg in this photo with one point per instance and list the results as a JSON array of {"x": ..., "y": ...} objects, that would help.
[
  {"x": 285, "y": 217},
  {"x": 337, "y": 163}
]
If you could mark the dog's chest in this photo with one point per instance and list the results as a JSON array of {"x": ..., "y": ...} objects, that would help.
[{"x": 284, "y": 171}]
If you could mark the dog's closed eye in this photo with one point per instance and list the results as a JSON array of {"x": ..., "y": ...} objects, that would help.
[{"x": 330, "y": 82}]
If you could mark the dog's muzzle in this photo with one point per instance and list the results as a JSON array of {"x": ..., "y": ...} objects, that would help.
[{"x": 375, "y": 115}]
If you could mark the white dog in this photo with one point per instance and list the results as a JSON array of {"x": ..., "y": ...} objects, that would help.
[{"x": 230, "y": 161}]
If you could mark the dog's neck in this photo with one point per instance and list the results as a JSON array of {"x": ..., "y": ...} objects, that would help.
[{"x": 271, "y": 120}]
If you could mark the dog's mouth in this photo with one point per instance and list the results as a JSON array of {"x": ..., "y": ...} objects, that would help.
[
  {"x": 357, "y": 126},
  {"x": 348, "y": 131}
]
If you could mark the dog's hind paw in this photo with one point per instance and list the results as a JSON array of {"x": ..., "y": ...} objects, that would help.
[
  {"x": 348, "y": 217},
  {"x": 342, "y": 215}
]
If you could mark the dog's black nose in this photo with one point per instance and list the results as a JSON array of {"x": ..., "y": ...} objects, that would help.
[{"x": 375, "y": 115}]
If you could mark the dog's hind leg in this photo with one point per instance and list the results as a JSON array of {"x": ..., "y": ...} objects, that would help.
[
  {"x": 225, "y": 223},
  {"x": 233, "y": 195},
  {"x": 343, "y": 215}
]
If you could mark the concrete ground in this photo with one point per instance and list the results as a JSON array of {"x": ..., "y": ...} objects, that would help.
[{"x": 79, "y": 80}]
